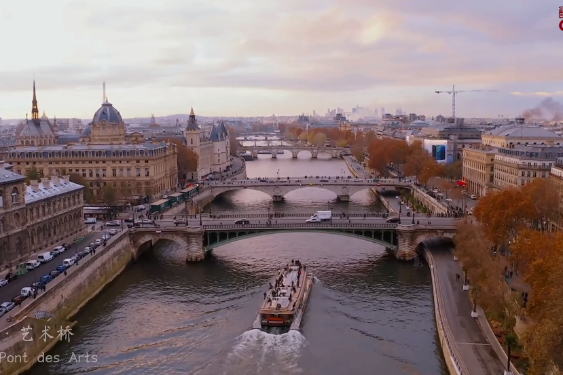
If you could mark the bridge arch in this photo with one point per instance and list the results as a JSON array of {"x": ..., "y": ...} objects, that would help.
[
  {"x": 143, "y": 243},
  {"x": 383, "y": 237},
  {"x": 281, "y": 189}
]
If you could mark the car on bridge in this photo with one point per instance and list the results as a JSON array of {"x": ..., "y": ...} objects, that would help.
[{"x": 242, "y": 221}]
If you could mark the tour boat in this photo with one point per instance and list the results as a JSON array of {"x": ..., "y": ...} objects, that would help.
[{"x": 284, "y": 302}]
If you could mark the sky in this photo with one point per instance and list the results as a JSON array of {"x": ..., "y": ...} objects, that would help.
[{"x": 286, "y": 57}]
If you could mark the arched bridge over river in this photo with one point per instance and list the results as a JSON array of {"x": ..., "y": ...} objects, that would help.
[{"x": 399, "y": 239}]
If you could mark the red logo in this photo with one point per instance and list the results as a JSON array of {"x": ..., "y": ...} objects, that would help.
[
  {"x": 560, "y": 12},
  {"x": 561, "y": 25}
]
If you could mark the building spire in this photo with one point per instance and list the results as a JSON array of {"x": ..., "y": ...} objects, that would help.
[
  {"x": 192, "y": 112},
  {"x": 104, "y": 98},
  {"x": 34, "y": 108}
]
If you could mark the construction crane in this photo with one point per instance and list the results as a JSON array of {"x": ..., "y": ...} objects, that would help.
[{"x": 453, "y": 93}]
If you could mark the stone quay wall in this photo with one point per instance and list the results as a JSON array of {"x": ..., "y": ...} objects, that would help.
[{"x": 56, "y": 306}]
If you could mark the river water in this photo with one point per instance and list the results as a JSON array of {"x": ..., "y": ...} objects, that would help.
[{"x": 368, "y": 314}]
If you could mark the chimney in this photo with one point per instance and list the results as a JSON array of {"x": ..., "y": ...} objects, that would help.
[
  {"x": 66, "y": 178},
  {"x": 34, "y": 185},
  {"x": 46, "y": 183}
]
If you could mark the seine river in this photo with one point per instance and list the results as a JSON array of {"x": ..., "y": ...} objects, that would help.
[{"x": 368, "y": 314}]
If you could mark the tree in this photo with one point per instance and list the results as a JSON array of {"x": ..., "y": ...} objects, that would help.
[
  {"x": 358, "y": 152},
  {"x": 32, "y": 174},
  {"x": 187, "y": 160},
  {"x": 454, "y": 171},
  {"x": 87, "y": 193},
  {"x": 303, "y": 136},
  {"x": 109, "y": 195},
  {"x": 233, "y": 142},
  {"x": 319, "y": 139}
]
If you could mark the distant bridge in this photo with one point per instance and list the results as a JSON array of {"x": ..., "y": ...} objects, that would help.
[
  {"x": 277, "y": 189},
  {"x": 336, "y": 152},
  {"x": 400, "y": 240}
]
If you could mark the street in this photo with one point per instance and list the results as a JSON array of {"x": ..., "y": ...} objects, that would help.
[{"x": 13, "y": 289}]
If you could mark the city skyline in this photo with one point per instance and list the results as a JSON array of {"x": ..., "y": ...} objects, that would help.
[{"x": 253, "y": 58}]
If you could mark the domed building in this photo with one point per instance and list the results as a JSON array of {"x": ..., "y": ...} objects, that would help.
[{"x": 105, "y": 156}]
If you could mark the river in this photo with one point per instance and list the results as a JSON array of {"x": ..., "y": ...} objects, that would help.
[{"x": 368, "y": 314}]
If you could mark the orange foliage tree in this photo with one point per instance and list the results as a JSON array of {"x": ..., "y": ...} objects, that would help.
[{"x": 187, "y": 160}]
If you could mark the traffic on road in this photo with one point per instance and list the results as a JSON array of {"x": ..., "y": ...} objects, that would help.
[{"x": 16, "y": 290}]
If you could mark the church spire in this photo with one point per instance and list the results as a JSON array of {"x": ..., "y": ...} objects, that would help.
[
  {"x": 191, "y": 112},
  {"x": 104, "y": 97},
  {"x": 34, "y": 108}
]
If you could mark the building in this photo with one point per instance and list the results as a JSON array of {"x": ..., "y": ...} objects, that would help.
[
  {"x": 520, "y": 134},
  {"x": 36, "y": 217},
  {"x": 105, "y": 155},
  {"x": 478, "y": 169},
  {"x": 515, "y": 167},
  {"x": 556, "y": 178},
  {"x": 213, "y": 147}
]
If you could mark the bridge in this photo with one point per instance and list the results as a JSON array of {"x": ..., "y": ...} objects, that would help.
[
  {"x": 343, "y": 188},
  {"x": 401, "y": 240},
  {"x": 336, "y": 152}
]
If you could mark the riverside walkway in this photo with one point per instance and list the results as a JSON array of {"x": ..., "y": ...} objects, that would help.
[{"x": 475, "y": 353}]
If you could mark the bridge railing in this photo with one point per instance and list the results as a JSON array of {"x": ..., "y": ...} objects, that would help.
[
  {"x": 299, "y": 225},
  {"x": 275, "y": 215}
]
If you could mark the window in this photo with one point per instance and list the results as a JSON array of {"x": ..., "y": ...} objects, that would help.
[
  {"x": 120, "y": 172},
  {"x": 104, "y": 173},
  {"x": 128, "y": 172},
  {"x": 91, "y": 172},
  {"x": 114, "y": 172},
  {"x": 192, "y": 141},
  {"x": 138, "y": 170},
  {"x": 146, "y": 172},
  {"x": 15, "y": 195},
  {"x": 84, "y": 173},
  {"x": 1, "y": 199}
]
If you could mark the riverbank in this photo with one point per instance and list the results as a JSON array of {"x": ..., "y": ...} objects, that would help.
[{"x": 53, "y": 310}]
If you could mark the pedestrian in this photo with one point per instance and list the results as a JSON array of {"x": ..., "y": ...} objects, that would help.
[
  {"x": 457, "y": 277},
  {"x": 65, "y": 273}
]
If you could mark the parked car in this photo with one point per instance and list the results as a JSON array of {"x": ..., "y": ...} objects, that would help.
[
  {"x": 3, "y": 282},
  {"x": 59, "y": 249},
  {"x": 113, "y": 232},
  {"x": 128, "y": 220},
  {"x": 11, "y": 276},
  {"x": 38, "y": 285},
  {"x": 7, "y": 305},
  {"x": 32, "y": 264},
  {"x": 17, "y": 300},
  {"x": 54, "y": 274},
  {"x": 98, "y": 241},
  {"x": 106, "y": 237},
  {"x": 26, "y": 292},
  {"x": 242, "y": 221},
  {"x": 113, "y": 223},
  {"x": 61, "y": 268},
  {"x": 46, "y": 279},
  {"x": 181, "y": 221}
]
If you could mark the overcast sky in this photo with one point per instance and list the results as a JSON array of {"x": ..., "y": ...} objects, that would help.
[{"x": 259, "y": 57}]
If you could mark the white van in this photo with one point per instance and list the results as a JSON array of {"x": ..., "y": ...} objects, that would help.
[
  {"x": 26, "y": 292},
  {"x": 90, "y": 220},
  {"x": 139, "y": 208},
  {"x": 59, "y": 250},
  {"x": 68, "y": 262},
  {"x": 31, "y": 265},
  {"x": 44, "y": 257}
]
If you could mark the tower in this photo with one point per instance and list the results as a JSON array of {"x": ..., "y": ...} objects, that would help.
[
  {"x": 34, "y": 107},
  {"x": 192, "y": 132}
]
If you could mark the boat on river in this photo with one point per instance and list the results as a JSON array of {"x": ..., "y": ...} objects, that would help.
[{"x": 285, "y": 301}]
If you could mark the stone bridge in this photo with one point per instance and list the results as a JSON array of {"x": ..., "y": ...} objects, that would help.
[
  {"x": 336, "y": 152},
  {"x": 400, "y": 240},
  {"x": 343, "y": 189}
]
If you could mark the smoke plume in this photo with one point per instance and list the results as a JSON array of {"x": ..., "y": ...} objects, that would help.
[{"x": 547, "y": 109}]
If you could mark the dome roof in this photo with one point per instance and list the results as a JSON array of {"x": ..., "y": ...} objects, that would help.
[
  {"x": 86, "y": 132},
  {"x": 107, "y": 113}
]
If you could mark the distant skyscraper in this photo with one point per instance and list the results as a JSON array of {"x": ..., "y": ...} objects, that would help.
[{"x": 382, "y": 112}]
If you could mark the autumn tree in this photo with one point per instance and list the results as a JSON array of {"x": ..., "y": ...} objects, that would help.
[
  {"x": 233, "y": 142},
  {"x": 303, "y": 137},
  {"x": 454, "y": 170},
  {"x": 110, "y": 195},
  {"x": 187, "y": 160},
  {"x": 546, "y": 199},
  {"x": 318, "y": 139},
  {"x": 87, "y": 192},
  {"x": 32, "y": 174},
  {"x": 503, "y": 214},
  {"x": 358, "y": 152}
]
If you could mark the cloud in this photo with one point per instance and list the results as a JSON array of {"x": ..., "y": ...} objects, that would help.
[
  {"x": 538, "y": 93},
  {"x": 310, "y": 46}
]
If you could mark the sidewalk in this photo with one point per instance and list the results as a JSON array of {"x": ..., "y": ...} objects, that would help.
[{"x": 476, "y": 351}]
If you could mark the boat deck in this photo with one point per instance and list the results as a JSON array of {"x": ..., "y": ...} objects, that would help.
[{"x": 292, "y": 285}]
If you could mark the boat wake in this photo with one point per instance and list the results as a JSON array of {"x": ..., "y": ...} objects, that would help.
[{"x": 260, "y": 353}]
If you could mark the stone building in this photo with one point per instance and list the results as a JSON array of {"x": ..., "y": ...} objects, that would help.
[
  {"x": 520, "y": 134},
  {"x": 478, "y": 169},
  {"x": 38, "y": 216},
  {"x": 556, "y": 178},
  {"x": 105, "y": 155},
  {"x": 213, "y": 147},
  {"x": 515, "y": 167}
]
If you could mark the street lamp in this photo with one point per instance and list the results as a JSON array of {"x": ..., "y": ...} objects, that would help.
[
  {"x": 400, "y": 210},
  {"x": 413, "y": 218},
  {"x": 278, "y": 174}
]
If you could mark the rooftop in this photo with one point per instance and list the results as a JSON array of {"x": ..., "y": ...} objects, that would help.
[
  {"x": 7, "y": 176},
  {"x": 97, "y": 147},
  {"x": 520, "y": 131},
  {"x": 50, "y": 188}
]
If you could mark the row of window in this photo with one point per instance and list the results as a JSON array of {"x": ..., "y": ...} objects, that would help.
[{"x": 89, "y": 153}]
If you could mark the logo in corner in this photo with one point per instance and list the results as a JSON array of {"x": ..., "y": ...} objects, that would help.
[{"x": 560, "y": 12}]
